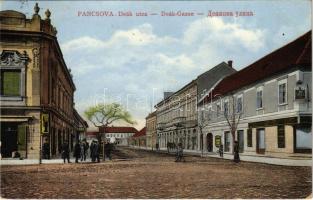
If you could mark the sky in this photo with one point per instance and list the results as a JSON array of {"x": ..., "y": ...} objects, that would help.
[{"x": 134, "y": 59}]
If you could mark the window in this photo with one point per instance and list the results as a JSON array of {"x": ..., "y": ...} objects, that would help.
[
  {"x": 210, "y": 113},
  {"x": 249, "y": 137},
  {"x": 10, "y": 82},
  {"x": 281, "y": 136},
  {"x": 282, "y": 93},
  {"x": 218, "y": 109},
  {"x": 12, "y": 77},
  {"x": 239, "y": 104},
  {"x": 227, "y": 141},
  {"x": 259, "y": 99},
  {"x": 226, "y": 109}
]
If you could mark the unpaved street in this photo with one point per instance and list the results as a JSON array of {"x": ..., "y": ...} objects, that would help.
[{"x": 141, "y": 174}]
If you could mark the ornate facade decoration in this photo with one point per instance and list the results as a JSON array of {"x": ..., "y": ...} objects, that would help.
[
  {"x": 36, "y": 58},
  {"x": 14, "y": 58}
]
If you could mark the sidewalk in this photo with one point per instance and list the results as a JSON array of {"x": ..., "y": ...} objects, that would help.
[
  {"x": 306, "y": 162},
  {"x": 11, "y": 161}
]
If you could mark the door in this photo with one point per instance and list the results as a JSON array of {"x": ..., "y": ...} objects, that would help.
[
  {"x": 210, "y": 142},
  {"x": 260, "y": 148},
  {"x": 240, "y": 140},
  {"x": 8, "y": 139}
]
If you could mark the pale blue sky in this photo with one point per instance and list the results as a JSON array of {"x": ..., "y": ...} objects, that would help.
[{"x": 140, "y": 57}]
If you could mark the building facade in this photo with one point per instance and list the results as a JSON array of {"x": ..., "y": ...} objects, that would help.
[
  {"x": 139, "y": 139},
  {"x": 270, "y": 101},
  {"x": 177, "y": 114},
  {"x": 119, "y": 135},
  {"x": 151, "y": 121},
  {"x": 37, "y": 89}
]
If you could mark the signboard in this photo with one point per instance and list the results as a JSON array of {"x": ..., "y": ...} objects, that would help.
[
  {"x": 299, "y": 93},
  {"x": 217, "y": 140},
  {"x": 44, "y": 123}
]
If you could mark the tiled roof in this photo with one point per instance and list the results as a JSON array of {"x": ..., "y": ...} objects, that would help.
[
  {"x": 296, "y": 53},
  {"x": 118, "y": 129},
  {"x": 142, "y": 132},
  {"x": 91, "y": 133}
]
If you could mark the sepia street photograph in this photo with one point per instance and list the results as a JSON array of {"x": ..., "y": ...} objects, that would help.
[{"x": 151, "y": 99}]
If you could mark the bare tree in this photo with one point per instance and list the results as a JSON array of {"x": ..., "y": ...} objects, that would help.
[{"x": 233, "y": 116}]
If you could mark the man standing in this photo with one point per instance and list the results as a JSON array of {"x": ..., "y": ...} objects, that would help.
[
  {"x": 46, "y": 150},
  {"x": 66, "y": 152},
  {"x": 221, "y": 148},
  {"x": 77, "y": 151}
]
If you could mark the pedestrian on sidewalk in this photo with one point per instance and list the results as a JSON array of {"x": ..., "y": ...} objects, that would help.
[
  {"x": 92, "y": 151},
  {"x": 66, "y": 152},
  {"x": 46, "y": 150},
  {"x": 77, "y": 151},
  {"x": 109, "y": 150},
  {"x": 97, "y": 151},
  {"x": 86, "y": 147},
  {"x": 236, "y": 152},
  {"x": 221, "y": 149}
]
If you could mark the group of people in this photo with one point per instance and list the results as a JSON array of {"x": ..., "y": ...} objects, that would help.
[{"x": 81, "y": 149}]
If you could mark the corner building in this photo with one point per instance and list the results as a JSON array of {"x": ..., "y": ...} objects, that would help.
[{"x": 36, "y": 86}]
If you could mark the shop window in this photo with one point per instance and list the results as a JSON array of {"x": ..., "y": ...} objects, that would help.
[
  {"x": 249, "y": 137},
  {"x": 303, "y": 139},
  {"x": 281, "y": 136}
]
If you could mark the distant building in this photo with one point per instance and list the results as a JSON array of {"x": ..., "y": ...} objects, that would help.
[
  {"x": 151, "y": 130},
  {"x": 37, "y": 89},
  {"x": 119, "y": 135},
  {"x": 114, "y": 134},
  {"x": 139, "y": 139},
  {"x": 177, "y": 113}
]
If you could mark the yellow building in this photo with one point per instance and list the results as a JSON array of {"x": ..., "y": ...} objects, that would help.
[
  {"x": 151, "y": 137},
  {"x": 37, "y": 90}
]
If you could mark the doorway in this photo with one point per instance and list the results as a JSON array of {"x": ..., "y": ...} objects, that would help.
[
  {"x": 240, "y": 138},
  {"x": 260, "y": 143},
  {"x": 8, "y": 139},
  {"x": 210, "y": 142}
]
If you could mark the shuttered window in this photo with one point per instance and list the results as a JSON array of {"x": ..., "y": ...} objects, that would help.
[{"x": 281, "y": 136}]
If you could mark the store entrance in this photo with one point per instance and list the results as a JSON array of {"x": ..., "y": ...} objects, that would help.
[{"x": 8, "y": 139}]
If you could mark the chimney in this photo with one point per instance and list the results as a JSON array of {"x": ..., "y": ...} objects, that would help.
[{"x": 230, "y": 63}]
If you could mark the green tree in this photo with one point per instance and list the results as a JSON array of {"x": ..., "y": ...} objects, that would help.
[{"x": 103, "y": 115}]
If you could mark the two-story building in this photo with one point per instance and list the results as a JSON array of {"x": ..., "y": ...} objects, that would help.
[
  {"x": 37, "y": 89},
  {"x": 177, "y": 113},
  {"x": 269, "y": 102}
]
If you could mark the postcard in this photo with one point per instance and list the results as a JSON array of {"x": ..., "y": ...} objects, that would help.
[{"x": 156, "y": 99}]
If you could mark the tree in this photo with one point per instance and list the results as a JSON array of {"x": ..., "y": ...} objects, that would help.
[
  {"x": 233, "y": 116},
  {"x": 102, "y": 115}
]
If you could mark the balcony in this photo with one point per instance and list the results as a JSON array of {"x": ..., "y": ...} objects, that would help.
[
  {"x": 179, "y": 121},
  {"x": 161, "y": 126}
]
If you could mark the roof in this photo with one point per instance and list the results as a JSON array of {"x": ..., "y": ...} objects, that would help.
[
  {"x": 140, "y": 133},
  {"x": 153, "y": 114},
  {"x": 118, "y": 129},
  {"x": 294, "y": 54},
  {"x": 91, "y": 133},
  {"x": 191, "y": 83}
]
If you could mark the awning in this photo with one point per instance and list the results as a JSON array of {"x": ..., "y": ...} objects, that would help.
[{"x": 15, "y": 118}]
